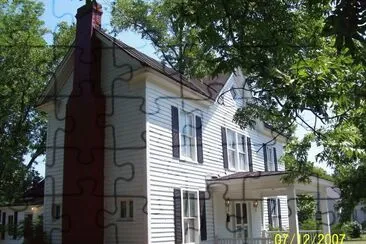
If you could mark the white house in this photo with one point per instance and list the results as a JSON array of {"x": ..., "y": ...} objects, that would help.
[
  {"x": 136, "y": 153},
  {"x": 16, "y": 219},
  {"x": 334, "y": 197}
]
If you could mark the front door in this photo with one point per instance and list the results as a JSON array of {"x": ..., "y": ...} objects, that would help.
[{"x": 241, "y": 220}]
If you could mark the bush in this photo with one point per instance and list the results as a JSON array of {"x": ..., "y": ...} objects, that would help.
[
  {"x": 33, "y": 232},
  {"x": 309, "y": 224},
  {"x": 363, "y": 225},
  {"x": 352, "y": 229},
  {"x": 336, "y": 229}
]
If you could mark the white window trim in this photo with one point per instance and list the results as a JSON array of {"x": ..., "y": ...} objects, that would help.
[
  {"x": 182, "y": 190},
  {"x": 236, "y": 163},
  {"x": 181, "y": 157},
  {"x": 128, "y": 217}
]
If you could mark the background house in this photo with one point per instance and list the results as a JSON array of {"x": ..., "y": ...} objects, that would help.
[{"x": 15, "y": 219}]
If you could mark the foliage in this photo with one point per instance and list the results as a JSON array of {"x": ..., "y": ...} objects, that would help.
[
  {"x": 337, "y": 229},
  {"x": 172, "y": 35},
  {"x": 352, "y": 229},
  {"x": 33, "y": 231},
  {"x": 306, "y": 208},
  {"x": 363, "y": 225},
  {"x": 26, "y": 65},
  {"x": 310, "y": 224},
  {"x": 300, "y": 58}
]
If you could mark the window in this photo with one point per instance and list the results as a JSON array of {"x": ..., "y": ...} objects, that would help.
[
  {"x": 190, "y": 217},
  {"x": 127, "y": 209},
  {"x": 273, "y": 212},
  {"x": 56, "y": 211},
  {"x": 271, "y": 159},
  {"x": 231, "y": 148},
  {"x": 187, "y": 135},
  {"x": 243, "y": 163},
  {"x": 237, "y": 151}
]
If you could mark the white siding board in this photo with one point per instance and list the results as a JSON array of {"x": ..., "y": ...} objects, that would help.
[{"x": 125, "y": 131}]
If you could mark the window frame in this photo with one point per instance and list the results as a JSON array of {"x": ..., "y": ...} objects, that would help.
[
  {"x": 182, "y": 156},
  {"x": 197, "y": 218},
  {"x": 128, "y": 216},
  {"x": 237, "y": 137},
  {"x": 232, "y": 165},
  {"x": 128, "y": 213},
  {"x": 242, "y": 223}
]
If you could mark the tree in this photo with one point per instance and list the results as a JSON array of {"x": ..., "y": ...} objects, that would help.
[
  {"x": 306, "y": 208},
  {"x": 299, "y": 56},
  {"x": 26, "y": 65}
]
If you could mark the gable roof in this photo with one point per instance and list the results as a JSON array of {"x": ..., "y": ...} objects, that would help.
[{"x": 208, "y": 86}]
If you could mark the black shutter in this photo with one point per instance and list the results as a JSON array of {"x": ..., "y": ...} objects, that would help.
[
  {"x": 275, "y": 158},
  {"x": 177, "y": 216},
  {"x": 250, "y": 157},
  {"x": 175, "y": 132},
  {"x": 199, "y": 139},
  {"x": 3, "y": 224},
  {"x": 15, "y": 225},
  {"x": 224, "y": 147},
  {"x": 203, "y": 228},
  {"x": 269, "y": 207},
  {"x": 279, "y": 213},
  {"x": 265, "y": 157}
]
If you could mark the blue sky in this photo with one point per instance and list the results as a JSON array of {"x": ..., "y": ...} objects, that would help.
[{"x": 65, "y": 10}]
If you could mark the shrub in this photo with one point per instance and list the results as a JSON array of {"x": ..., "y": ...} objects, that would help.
[
  {"x": 363, "y": 225},
  {"x": 352, "y": 229},
  {"x": 336, "y": 229},
  {"x": 309, "y": 224},
  {"x": 33, "y": 232}
]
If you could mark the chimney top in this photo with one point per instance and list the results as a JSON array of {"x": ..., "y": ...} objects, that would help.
[{"x": 94, "y": 8}]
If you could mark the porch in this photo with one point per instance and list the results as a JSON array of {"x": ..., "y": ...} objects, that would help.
[{"x": 253, "y": 207}]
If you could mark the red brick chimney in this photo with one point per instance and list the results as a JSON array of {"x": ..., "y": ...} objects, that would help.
[{"x": 83, "y": 175}]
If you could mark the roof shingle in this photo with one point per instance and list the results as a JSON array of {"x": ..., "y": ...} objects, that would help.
[{"x": 210, "y": 87}]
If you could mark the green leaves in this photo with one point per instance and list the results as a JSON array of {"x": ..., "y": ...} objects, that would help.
[
  {"x": 26, "y": 65},
  {"x": 299, "y": 57}
]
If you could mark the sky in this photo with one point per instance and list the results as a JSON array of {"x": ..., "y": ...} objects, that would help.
[{"x": 65, "y": 10}]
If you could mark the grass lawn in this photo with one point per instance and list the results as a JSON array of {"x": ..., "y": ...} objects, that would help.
[{"x": 361, "y": 240}]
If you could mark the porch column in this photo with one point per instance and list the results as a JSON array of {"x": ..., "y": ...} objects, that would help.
[
  {"x": 324, "y": 210},
  {"x": 293, "y": 220}
]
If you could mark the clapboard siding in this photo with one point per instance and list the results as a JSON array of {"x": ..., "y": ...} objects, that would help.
[
  {"x": 167, "y": 173},
  {"x": 126, "y": 148},
  {"x": 54, "y": 160}
]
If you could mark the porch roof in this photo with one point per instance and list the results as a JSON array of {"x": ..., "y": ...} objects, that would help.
[
  {"x": 267, "y": 183},
  {"x": 242, "y": 175}
]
